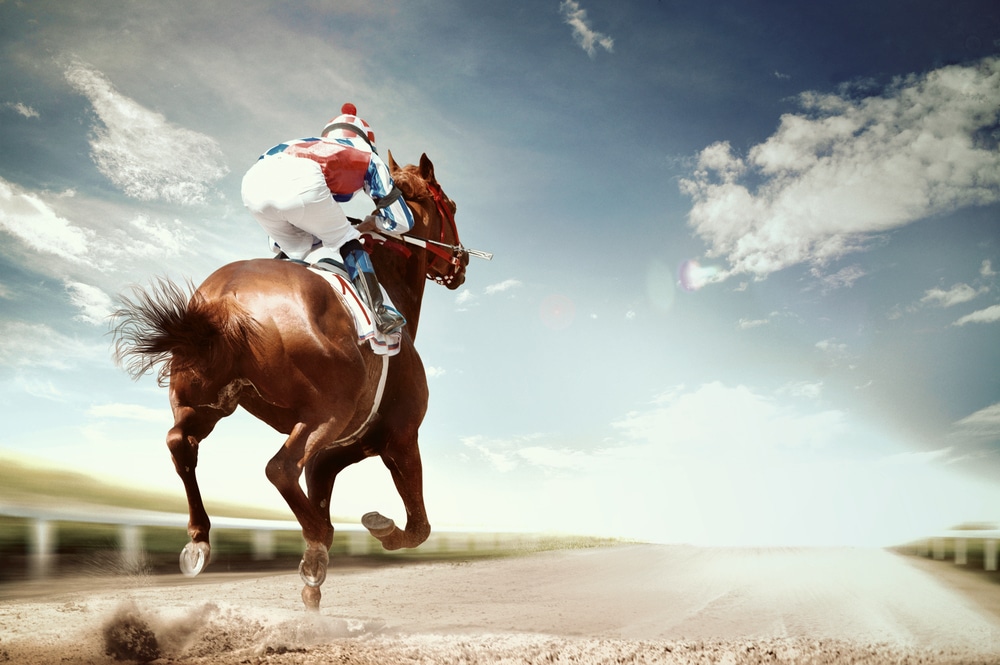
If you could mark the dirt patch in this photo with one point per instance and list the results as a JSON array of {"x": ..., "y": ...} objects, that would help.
[
  {"x": 230, "y": 639},
  {"x": 127, "y": 636},
  {"x": 616, "y": 605}
]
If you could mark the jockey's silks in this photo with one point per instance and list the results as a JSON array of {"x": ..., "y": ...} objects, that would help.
[{"x": 349, "y": 166}]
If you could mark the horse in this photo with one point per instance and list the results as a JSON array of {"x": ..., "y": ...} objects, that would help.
[{"x": 274, "y": 338}]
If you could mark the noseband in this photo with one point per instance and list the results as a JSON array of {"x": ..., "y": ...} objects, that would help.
[{"x": 457, "y": 258}]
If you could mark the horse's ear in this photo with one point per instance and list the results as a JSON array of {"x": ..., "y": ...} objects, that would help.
[
  {"x": 426, "y": 168},
  {"x": 393, "y": 166}
]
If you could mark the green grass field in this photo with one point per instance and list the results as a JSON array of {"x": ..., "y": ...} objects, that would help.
[{"x": 26, "y": 483}]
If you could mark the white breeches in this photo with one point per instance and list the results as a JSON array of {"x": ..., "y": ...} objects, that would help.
[{"x": 289, "y": 198}]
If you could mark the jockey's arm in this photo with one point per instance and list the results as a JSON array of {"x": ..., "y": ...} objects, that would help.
[{"x": 396, "y": 217}]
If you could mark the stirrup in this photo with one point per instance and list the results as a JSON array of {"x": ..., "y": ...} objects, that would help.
[{"x": 389, "y": 321}]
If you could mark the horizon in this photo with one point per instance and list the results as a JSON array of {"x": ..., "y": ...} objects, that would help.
[{"x": 220, "y": 508}]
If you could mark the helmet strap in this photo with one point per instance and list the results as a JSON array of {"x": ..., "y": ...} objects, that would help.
[{"x": 354, "y": 128}]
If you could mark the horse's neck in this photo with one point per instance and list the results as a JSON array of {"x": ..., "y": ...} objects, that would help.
[{"x": 404, "y": 278}]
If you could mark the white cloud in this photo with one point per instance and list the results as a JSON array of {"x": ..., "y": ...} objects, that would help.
[
  {"x": 804, "y": 389},
  {"x": 753, "y": 424},
  {"x": 40, "y": 388},
  {"x": 831, "y": 346},
  {"x": 22, "y": 109},
  {"x": 143, "y": 238},
  {"x": 433, "y": 372},
  {"x": 35, "y": 223},
  {"x": 845, "y": 277},
  {"x": 844, "y": 170},
  {"x": 464, "y": 297},
  {"x": 588, "y": 38},
  {"x": 983, "y": 424},
  {"x": 554, "y": 458},
  {"x": 503, "y": 286},
  {"x": 746, "y": 324},
  {"x": 986, "y": 269},
  {"x": 94, "y": 304},
  {"x": 165, "y": 240},
  {"x": 496, "y": 452},
  {"x": 519, "y": 452},
  {"x": 957, "y": 294},
  {"x": 142, "y": 153},
  {"x": 37, "y": 345},
  {"x": 730, "y": 465},
  {"x": 989, "y": 315},
  {"x": 918, "y": 458}
]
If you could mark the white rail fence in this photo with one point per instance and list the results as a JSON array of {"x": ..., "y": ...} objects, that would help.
[
  {"x": 962, "y": 540},
  {"x": 42, "y": 537}
]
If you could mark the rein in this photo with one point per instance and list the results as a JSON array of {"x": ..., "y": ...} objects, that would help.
[
  {"x": 439, "y": 248},
  {"x": 456, "y": 256}
]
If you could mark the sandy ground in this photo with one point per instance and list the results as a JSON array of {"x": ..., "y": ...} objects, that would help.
[{"x": 629, "y": 604}]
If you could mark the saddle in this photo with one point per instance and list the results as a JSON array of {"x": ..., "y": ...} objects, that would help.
[{"x": 321, "y": 262}]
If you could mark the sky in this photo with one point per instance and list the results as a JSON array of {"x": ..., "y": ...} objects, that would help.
[{"x": 745, "y": 282}]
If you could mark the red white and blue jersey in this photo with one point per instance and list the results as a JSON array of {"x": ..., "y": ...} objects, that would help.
[{"x": 349, "y": 166}]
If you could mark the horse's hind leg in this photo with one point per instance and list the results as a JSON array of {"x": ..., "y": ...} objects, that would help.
[
  {"x": 284, "y": 471},
  {"x": 321, "y": 472},
  {"x": 190, "y": 427}
]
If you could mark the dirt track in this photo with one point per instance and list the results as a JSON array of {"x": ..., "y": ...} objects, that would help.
[{"x": 641, "y": 604}]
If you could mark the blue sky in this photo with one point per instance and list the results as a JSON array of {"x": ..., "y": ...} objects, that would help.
[{"x": 745, "y": 286}]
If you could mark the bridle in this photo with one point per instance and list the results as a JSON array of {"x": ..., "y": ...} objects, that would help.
[
  {"x": 458, "y": 257},
  {"x": 455, "y": 255}
]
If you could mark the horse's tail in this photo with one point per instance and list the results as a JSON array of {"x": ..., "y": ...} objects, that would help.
[{"x": 165, "y": 326}]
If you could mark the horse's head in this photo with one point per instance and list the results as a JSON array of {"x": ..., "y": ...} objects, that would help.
[{"x": 433, "y": 220}]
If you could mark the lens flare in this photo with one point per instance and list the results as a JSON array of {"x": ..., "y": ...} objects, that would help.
[
  {"x": 692, "y": 275},
  {"x": 558, "y": 312}
]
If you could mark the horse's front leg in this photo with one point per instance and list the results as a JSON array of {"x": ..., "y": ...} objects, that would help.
[
  {"x": 182, "y": 440},
  {"x": 403, "y": 461}
]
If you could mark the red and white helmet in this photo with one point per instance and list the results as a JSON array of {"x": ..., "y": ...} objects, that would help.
[{"x": 348, "y": 125}]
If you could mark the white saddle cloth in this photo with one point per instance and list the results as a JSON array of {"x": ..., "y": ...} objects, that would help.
[{"x": 364, "y": 320}]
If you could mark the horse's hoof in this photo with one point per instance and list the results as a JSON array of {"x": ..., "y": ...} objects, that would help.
[
  {"x": 194, "y": 558},
  {"x": 312, "y": 568},
  {"x": 377, "y": 524},
  {"x": 310, "y": 597}
]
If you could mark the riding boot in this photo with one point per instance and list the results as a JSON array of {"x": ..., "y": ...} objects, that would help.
[
  {"x": 362, "y": 274},
  {"x": 387, "y": 319}
]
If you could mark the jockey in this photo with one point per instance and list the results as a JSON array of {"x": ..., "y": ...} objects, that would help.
[{"x": 294, "y": 191}]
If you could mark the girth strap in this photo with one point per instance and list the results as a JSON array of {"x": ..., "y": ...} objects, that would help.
[{"x": 358, "y": 433}]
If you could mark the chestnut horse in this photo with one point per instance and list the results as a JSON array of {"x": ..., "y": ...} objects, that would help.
[{"x": 273, "y": 337}]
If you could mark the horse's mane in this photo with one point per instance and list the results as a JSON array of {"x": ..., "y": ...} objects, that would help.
[
  {"x": 414, "y": 187},
  {"x": 410, "y": 183}
]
